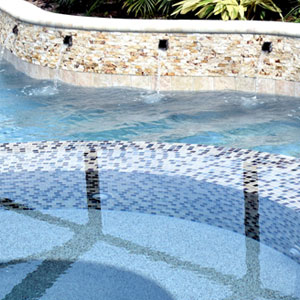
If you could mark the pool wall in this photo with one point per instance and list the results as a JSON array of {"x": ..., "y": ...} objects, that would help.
[{"x": 201, "y": 55}]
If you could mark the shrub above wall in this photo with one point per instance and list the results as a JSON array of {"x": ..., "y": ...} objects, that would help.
[{"x": 216, "y": 9}]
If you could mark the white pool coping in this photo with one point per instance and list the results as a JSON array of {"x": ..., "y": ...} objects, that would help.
[{"x": 29, "y": 13}]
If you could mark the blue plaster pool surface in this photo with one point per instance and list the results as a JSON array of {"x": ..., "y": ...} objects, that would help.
[
  {"x": 135, "y": 220},
  {"x": 35, "y": 110}
]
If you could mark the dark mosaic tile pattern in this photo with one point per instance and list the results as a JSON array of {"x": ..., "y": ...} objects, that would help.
[{"x": 256, "y": 194}]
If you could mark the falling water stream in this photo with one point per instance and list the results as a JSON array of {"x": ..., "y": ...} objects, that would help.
[
  {"x": 8, "y": 38},
  {"x": 259, "y": 67},
  {"x": 158, "y": 74},
  {"x": 62, "y": 50}
]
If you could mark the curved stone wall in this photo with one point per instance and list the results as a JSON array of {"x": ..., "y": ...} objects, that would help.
[{"x": 201, "y": 55}]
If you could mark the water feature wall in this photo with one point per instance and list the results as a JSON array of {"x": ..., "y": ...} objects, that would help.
[{"x": 201, "y": 55}]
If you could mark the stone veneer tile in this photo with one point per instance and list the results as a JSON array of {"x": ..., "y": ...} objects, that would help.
[
  {"x": 203, "y": 83},
  {"x": 286, "y": 88},
  {"x": 265, "y": 86},
  {"x": 245, "y": 84},
  {"x": 224, "y": 83}
]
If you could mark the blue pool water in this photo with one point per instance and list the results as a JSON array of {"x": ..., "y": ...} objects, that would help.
[
  {"x": 149, "y": 233},
  {"x": 33, "y": 110},
  {"x": 140, "y": 224}
]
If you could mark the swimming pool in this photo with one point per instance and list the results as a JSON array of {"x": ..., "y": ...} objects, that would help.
[
  {"x": 33, "y": 110},
  {"x": 125, "y": 220},
  {"x": 136, "y": 220}
]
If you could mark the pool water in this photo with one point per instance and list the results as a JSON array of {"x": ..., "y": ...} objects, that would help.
[
  {"x": 33, "y": 110},
  {"x": 138, "y": 221},
  {"x": 119, "y": 224}
]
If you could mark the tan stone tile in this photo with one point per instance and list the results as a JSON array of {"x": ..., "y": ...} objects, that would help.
[
  {"x": 153, "y": 82},
  {"x": 141, "y": 82},
  {"x": 121, "y": 80},
  {"x": 102, "y": 80},
  {"x": 84, "y": 79},
  {"x": 164, "y": 83},
  {"x": 286, "y": 88},
  {"x": 297, "y": 89},
  {"x": 265, "y": 86},
  {"x": 35, "y": 71},
  {"x": 52, "y": 73},
  {"x": 245, "y": 84},
  {"x": 65, "y": 76},
  {"x": 224, "y": 83},
  {"x": 181, "y": 83},
  {"x": 203, "y": 83}
]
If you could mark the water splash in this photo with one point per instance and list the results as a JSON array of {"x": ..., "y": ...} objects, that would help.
[
  {"x": 151, "y": 98},
  {"x": 250, "y": 101},
  {"x": 48, "y": 90}
]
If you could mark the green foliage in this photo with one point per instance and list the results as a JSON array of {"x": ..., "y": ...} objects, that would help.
[
  {"x": 228, "y": 9},
  {"x": 81, "y": 6},
  {"x": 148, "y": 8},
  {"x": 294, "y": 14},
  {"x": 225, "y": 9}
]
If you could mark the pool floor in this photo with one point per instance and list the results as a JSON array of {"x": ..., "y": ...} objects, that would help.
[{"x": 121, "y": 255}]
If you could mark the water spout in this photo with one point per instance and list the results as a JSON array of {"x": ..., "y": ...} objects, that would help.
[
  {"x": 15, "y": 30},
  {"x": 163, "y": 45},
  {"x": 267, "y": 47},
  {"x": 68, "y": 40}
]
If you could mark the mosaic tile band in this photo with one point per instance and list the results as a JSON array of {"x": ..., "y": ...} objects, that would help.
[{"x": 244, "y": 191}]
